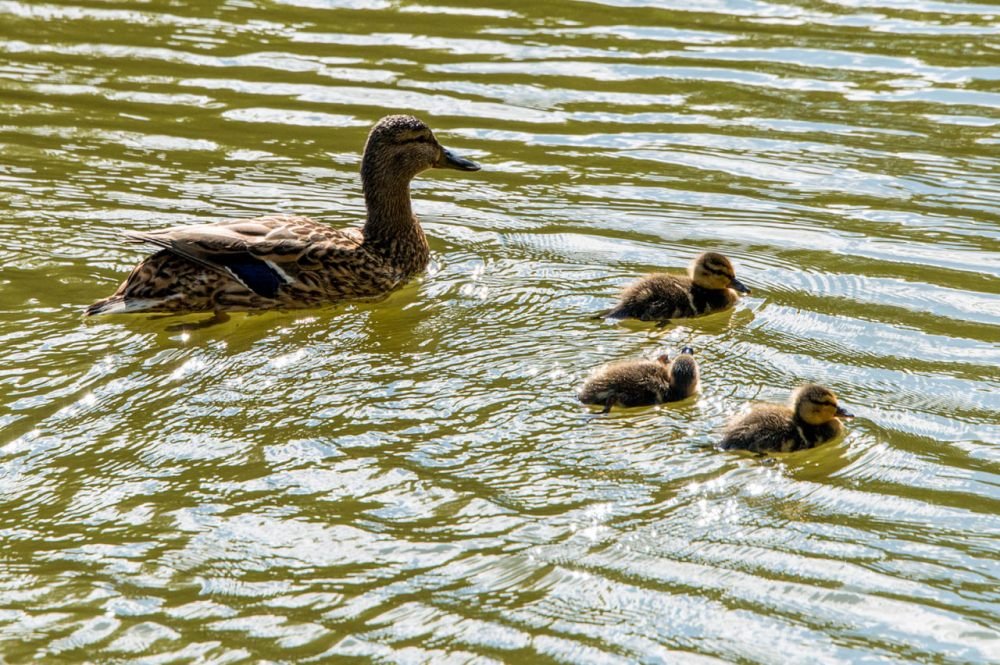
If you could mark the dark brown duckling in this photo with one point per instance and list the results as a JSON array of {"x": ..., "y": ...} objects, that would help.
[
  {"x": 711, "y": 288},
  {"x": 642, "y": 382},
  {"x": 809, "y": 420}
]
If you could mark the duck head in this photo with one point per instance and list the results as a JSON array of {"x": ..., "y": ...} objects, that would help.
[
  {"x": 684, "y": 371},
  {"x": 817, "y": 405},
  {"x": 712, "y": 270},
  {"x": 401, "y": 146}
]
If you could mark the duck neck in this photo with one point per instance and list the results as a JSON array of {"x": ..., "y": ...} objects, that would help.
[
  {"x": 391, "y": 229},
  {"x": 387, "y": 198}
]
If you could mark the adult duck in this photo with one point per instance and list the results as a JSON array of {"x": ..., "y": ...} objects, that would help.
[{"x": 289, "y": 261}]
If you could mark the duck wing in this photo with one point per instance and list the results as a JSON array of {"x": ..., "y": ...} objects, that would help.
[{"x": 262, "y": 254}]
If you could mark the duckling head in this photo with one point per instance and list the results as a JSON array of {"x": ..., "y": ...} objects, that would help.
[
  {"x": 817, "y": 405},
  {"x": 401, "y": 146},
  {"x": 712, "y": 270},
  {"x": 684, "y": 372}
]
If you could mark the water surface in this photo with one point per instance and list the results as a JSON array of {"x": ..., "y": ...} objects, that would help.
[{"x": 412, "y": 480}]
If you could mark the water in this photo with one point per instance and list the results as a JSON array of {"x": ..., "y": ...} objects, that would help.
[{"x": 412, "y": 480}]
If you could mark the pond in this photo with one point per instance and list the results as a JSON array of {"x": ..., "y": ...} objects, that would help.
[{"x": 412, "y": 480}]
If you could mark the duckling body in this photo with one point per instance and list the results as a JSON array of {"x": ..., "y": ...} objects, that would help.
[
  {"x": 809, "y": 420},
  {"x": 642, "y": 382},
  {"x": 289, "y": 261},
  {"x": 711, "y": 287}
]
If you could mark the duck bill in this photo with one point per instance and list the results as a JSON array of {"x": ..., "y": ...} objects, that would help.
[
  {"x": 843, "y": 413},
  {"x": 449, "y": 160},
  {"x": 737, "y": 285}
]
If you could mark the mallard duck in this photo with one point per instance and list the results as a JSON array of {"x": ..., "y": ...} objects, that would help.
[
  {"x": 290, "y": 261},
  {"x": 711, "y": 288},
  {"x": 810, "y": 419},
  {"x": 642, "y": 382}
]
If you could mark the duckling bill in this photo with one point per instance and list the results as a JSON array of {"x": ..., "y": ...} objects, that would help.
[
  {"x": 809, "y": 420},
  {"x": 289, "y": 261},
  {"x": 642, "y": 382},
  {"x": 711, "y": 287}
]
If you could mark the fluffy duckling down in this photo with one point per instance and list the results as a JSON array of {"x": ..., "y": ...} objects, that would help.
[
  {"x": 711, "y": 287},
  {"x": 809, "y": 420},
  {"x": 642, "y": 382}
]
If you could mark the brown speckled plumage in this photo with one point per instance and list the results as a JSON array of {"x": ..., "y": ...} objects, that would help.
[
  {"x": 809, "y": 420},
  {"x": 289, "y": 261},
  {"x": 711, "y": 288},
  {"x": 642, "y": 382}
]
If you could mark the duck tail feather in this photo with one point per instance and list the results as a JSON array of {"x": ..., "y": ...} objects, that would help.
[
  {"x": 112, "y": 305},
  {"x": 616, "y": 313},
  {"x": 139, "y": 237},
  {"x": 118, "y": 305}
]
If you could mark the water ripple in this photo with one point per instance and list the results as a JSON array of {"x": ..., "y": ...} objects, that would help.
[{"x": 413, "y": 479}]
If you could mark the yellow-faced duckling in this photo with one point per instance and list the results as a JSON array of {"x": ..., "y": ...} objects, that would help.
[
  {"x": 289, "y": 261},
  {"x": 810, "y": 419},
  {"x": 711, "y": 288},
  {"x": 642, "y": 382}
]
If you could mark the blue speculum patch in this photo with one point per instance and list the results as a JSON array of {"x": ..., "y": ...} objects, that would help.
[{"x": 259, "y": 277}]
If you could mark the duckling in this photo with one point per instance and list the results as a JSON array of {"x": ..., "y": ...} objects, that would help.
[
  {"x": 290, "y": 261},
  {"x": 711, "y": 288},
  {"x": 809, "y": 420},
  {"x": 642, "y": 382}
]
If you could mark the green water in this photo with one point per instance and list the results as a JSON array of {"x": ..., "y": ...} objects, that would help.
[{"x": 412, "y": 480}]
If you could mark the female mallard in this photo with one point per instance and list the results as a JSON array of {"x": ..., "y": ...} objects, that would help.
[
  {"x": 809, "y": 420},
  {"x": 711, "y": 288},
  {"x": 288, "y": 261},
  {"x": 642, "y": 382}
]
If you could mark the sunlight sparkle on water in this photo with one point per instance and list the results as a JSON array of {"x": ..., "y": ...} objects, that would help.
[
  {"x": 288, "y": 359},
  {"x": 188, "y": 368}
]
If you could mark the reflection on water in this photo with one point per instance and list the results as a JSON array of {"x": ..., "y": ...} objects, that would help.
[{"x": 412, "y": 480}]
